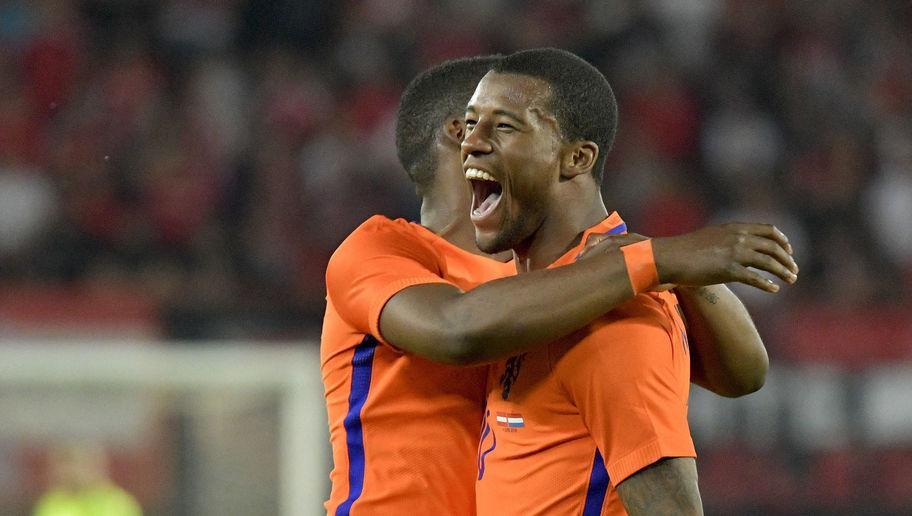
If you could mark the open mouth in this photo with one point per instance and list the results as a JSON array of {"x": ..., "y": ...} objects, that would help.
[{"x": 486, "y": 193}]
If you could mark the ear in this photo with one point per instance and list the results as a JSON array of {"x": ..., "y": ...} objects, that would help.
[
  {"x": 454, "y": 130},
  {"x": 579, "y": 159}
]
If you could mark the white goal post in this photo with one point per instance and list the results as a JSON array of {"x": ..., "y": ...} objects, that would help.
[{"x": 212, "y": 373}]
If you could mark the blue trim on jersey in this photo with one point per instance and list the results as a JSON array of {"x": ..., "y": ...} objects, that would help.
[
  {"x": 617, "y": 230},
  {"x": 598, "y": 487},
  {"x": 484, "y": 434},
  {"x": 362, "y": 367},
  {"x": 620, "y": 229},
  {"x": 481, "y": 465}
]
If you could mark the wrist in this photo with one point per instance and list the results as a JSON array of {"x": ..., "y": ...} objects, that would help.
[{"x": 664, "y": 270}]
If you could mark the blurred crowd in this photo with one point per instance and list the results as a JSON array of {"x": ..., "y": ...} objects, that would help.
[{"x": 209, "y": 155}]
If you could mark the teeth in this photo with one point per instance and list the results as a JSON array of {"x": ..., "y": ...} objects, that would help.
[{"x": 474, "y": 173}]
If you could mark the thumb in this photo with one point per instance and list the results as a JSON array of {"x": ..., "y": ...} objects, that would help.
[{"x": 596, "y": 244}]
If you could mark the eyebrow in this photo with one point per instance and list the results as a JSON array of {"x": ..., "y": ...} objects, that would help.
[
  {"x": 508, "y": 114},
  {"x": 500, "y": 112}
]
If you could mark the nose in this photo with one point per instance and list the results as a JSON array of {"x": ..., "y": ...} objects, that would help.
[{"x": 476, "y": 141}]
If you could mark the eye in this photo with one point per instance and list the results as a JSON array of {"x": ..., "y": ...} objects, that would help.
[
  {"x": 469, "y": 123},
  {"x": 506, "y": 128}
]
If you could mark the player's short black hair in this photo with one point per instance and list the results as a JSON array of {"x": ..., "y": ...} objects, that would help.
[
  {"x": 581, "y": 98},
  {"x": 433, "y": 96}
]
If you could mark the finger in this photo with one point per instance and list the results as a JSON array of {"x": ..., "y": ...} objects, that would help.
[
  {"x": 592, "y": 243},
  {"x": 782, "y": 238},
  {"x": 754, "y": 279},
  {"x": 769, "y": 264},
  {"x": 769, "y": 231},
  {"x": 594, "y": 240},
  {"x": 604, "y": 243},
  {"x": 597, "y": 238},
  {"x": 596, "y": 244},
  {"x": 612, "y": 241},
  {"x": 775, "y": 250}
]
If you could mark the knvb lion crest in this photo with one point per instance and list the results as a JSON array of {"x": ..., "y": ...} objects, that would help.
[{"x": 511, "y": 373}]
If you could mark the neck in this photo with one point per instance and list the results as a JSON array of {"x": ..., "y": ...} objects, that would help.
[
  {"x": 562, "y": 229},
  {"x": 450, "y": 223}
]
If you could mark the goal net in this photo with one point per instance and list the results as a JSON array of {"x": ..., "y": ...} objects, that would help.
[{"x": 209, "y": 428}]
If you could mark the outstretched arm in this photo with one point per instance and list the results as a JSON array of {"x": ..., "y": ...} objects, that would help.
[
  {"x": 668, "y": 486},
  {"x": 512, "y": 315},
  {"x": 727, "y": 354}
]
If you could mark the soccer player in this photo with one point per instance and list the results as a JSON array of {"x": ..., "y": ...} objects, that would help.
[
  {"x": 597, "y": 421},
  {"x": 404, "y": 323}
]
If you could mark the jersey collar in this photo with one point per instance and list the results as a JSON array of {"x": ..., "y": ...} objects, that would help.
[{"x": 612, "y": 225}]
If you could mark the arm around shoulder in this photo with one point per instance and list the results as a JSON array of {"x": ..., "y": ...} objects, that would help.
[
  {"x": 504, "y": 317},
  {"x": 422, "y": 319}
]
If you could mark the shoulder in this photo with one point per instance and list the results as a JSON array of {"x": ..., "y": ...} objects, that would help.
[
  {"x": 380, "y": 235},
  {"x": 639, "y": 328},
  {"x": 647, "y": 310},
  {"x": 384, "y": 226},
  {"x": 381, "y": 251},
  {"x": 641, "y": 314}
]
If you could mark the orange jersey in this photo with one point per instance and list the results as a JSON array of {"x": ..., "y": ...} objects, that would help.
[
  {"x": 404, "y": 430},
  {"x": 566, "y": 423}
]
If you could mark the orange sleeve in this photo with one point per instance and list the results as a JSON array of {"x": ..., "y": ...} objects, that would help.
[
  {"x": 629, "y": 378},
  {"x": 375, "y": 262}
]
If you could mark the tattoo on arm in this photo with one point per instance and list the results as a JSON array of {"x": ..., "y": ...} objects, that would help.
[
  {"x": 667, "y": 487},
  {"x": 708, "y": 295}
]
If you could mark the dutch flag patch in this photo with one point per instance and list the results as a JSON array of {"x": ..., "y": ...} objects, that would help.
[{"x": 510, "y": 420}]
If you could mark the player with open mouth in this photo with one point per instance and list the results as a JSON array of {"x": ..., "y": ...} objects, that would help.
[{"x": 596, "y": 422}]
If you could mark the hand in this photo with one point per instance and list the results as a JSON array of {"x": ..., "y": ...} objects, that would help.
[
  {"x": 722, "y": 254},
  {"x": 604, "y": 244}
]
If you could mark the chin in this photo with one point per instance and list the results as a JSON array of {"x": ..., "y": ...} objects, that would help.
[{"x": 492, "y": 244}]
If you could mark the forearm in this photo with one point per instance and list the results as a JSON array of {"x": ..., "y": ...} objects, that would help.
[
  {"x": 727, "y": 354},
  {"x": 508, "y": 316},
  {"x": 513, "y": 315},
  {"x": 667, "y": 487}
]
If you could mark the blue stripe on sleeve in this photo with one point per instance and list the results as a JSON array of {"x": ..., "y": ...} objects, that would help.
[
  {"x": 598, "y": 487},
  {"x": 362, "y": 367}
]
